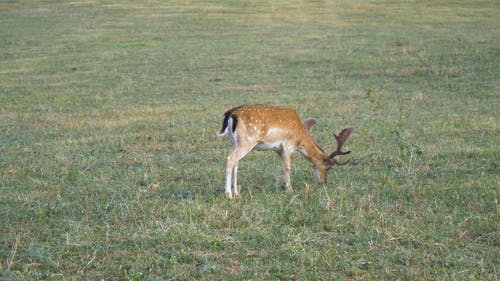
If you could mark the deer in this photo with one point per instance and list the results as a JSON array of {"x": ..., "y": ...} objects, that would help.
[{"x": 280, "y": 129}]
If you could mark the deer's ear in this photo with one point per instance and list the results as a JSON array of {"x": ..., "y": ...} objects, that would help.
[{"x": 308, "y": 123}]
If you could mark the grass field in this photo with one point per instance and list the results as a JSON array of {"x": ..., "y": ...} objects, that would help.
[{"x": 110, "y": 168}]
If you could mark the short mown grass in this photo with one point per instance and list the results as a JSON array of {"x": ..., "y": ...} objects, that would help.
[{"x": 110, "y": 168}]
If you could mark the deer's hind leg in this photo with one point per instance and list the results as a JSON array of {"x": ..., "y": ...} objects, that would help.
[{"x": 238, "y": 152}]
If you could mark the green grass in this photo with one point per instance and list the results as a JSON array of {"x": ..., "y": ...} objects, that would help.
[{"x": 110, "y": 167}]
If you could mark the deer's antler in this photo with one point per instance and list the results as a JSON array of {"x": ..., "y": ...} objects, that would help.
[{"x": 341, "y": 139}]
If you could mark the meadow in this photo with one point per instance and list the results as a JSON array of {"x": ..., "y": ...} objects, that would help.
[{"x": 110, "y": 167}]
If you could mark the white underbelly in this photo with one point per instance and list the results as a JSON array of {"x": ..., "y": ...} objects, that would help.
[{"x": 268, "y": 146}]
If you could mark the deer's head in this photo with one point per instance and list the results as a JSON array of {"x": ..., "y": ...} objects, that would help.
[{"x": 321, "y": 169}]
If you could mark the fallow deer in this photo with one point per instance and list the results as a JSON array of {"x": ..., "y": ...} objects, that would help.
[{"x": 262, "y": 127}]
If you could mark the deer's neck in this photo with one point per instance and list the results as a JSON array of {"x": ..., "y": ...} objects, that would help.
[{"x": 311, "y": 150}]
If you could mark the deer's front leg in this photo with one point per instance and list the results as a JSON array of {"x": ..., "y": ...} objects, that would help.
[{"x": 286, "y": 157}]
